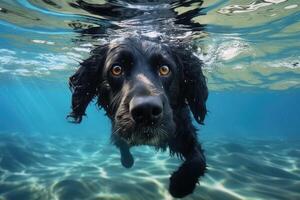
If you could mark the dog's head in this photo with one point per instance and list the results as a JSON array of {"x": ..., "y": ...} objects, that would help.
[{"x": 141, "y": 84}]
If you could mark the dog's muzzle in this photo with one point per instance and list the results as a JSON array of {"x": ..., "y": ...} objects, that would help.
[{"x": 146, "y": 110}]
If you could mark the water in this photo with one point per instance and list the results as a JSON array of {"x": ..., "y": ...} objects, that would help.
[{"x": 251, "y": 134}]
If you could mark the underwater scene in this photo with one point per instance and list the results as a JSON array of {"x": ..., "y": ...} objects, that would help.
[{"x": 251, "y": 135}]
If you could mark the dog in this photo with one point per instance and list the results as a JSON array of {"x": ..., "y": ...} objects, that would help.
[{"x": 147, "y": 89}]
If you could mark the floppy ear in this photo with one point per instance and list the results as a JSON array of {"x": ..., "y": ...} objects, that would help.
[
  {"x": 194, "y": 85},
  {"x": 85, "y": 82}
]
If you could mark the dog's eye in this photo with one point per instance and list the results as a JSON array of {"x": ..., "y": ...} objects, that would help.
[
  {"x": 164, "y": 70},
  {"x": 116, "y": 70}
]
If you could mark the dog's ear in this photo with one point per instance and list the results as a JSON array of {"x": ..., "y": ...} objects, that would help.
[
  {"x": 85, "y": 82},
  {"x": 193, "y": 86}
]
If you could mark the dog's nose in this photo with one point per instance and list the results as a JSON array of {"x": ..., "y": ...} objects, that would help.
[{"x": 146, "y": 109}]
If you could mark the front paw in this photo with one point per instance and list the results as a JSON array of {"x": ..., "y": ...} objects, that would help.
[
  {"x": 184, "y": 180},
  {"x": 127, "y": 159}
]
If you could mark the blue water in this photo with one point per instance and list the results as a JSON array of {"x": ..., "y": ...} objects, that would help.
[{"x": 251, "y": 135}]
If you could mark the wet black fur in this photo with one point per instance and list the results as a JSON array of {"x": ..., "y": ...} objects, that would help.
[{"x": 184, "y": 90}]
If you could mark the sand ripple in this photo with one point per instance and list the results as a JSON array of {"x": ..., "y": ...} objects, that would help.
[{"x": 65, "y": 168}]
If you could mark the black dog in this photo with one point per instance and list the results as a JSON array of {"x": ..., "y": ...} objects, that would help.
[{"x": 147, "y": 89}]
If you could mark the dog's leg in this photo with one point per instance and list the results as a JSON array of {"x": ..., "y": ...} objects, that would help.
[
  {"x": 126, "y": 157},
  {"x": 183, "y": 181}
]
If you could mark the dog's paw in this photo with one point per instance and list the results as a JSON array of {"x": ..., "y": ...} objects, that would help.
[
  {"x": 127, "y": 159},
  {"x": 181, "y": 184},
  {"x": 184, "y": 180}
]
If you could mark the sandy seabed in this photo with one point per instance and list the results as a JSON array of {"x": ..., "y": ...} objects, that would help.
[{"x": 72, "y": 168}]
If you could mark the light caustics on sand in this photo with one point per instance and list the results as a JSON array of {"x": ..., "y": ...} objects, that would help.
[{"x": 89, "y": 170}]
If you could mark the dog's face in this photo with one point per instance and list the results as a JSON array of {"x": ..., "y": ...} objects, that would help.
[
  {"x": 142, "y": 79},
  {"x": 140, "y": 84}
]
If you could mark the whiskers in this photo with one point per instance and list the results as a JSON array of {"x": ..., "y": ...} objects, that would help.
[
  {"x": 124, "y": 126},
  {"x": 116, "y": 131},
  {"x": 156, "y": 135}
]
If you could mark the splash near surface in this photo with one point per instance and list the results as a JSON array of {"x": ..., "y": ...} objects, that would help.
[
  {"x": 252, "y": 63},
  {"x": 244, "y": 44}
]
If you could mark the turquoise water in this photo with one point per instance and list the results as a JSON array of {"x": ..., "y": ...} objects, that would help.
[{"x": 251, "y": 135}]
